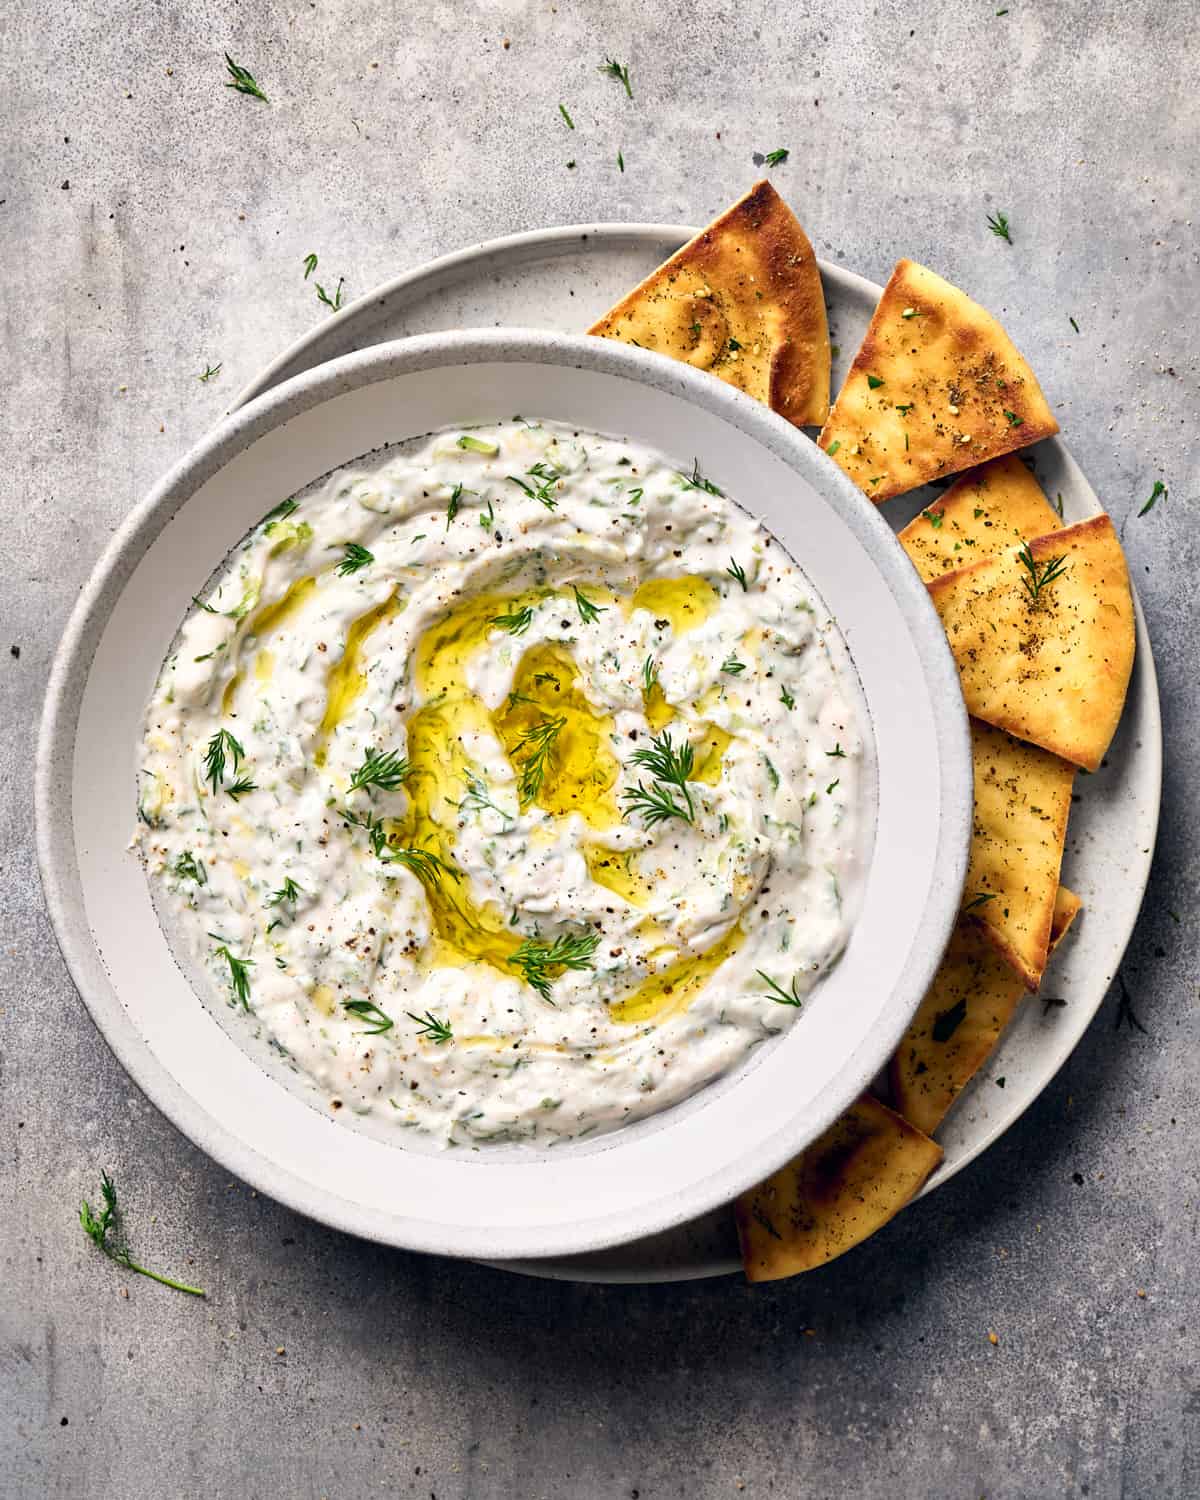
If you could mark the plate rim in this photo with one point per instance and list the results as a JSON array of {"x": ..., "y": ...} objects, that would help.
[{"x": 74, "y": 659}]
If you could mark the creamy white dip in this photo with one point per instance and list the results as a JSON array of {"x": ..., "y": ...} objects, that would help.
[{"x": 427, "y": 736}]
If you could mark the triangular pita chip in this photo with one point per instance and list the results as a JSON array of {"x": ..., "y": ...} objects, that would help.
[
  {"x": 1043, "y": 636},
  {"x": 1022, "y": 799},
  {"x": 835, "y": 1194},
  {"x": 936, "y": 387},
  {"x": 973, "y": 997},
  {"x": 991, "y": 508},
  {"x": 742, "y": 300}
]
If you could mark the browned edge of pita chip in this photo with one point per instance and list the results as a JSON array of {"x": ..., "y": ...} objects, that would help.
[
  {"x": 936, "y": 387},
  {"x": 743, "y": 299},
  {"x": 991, "y": 508},
  {"x": 1043, "y": 636},
  {"x": 1067, "y": 906},
  {"x": 835, "y": 1194}
]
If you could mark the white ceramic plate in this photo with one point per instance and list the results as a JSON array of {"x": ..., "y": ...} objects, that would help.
[
  {"x": 503, "y": 1202},
  {"x": 563, "y": 279}
]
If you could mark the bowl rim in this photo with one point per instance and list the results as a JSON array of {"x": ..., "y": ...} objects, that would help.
[{"x": 73, "y": 659}]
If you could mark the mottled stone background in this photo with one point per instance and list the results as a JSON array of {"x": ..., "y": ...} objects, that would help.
[{"x": 152, "y": 221}]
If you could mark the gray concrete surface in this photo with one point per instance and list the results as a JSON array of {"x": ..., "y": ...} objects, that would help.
[{"x": 152, "y": 221}]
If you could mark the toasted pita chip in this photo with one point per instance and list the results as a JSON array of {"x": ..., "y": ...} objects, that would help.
[
  {"x": 742, "y": 300},
  {"x": 1067, "y": 906},
  {"x": 936, "y": 387},
  {"x": 973, "y": 997},
  {"x": 1022, "y": 798},
  {"x": 835, "y": 1194},
  {"x": 1043, "y": 636},
  {"x": 991, "y": 508}
]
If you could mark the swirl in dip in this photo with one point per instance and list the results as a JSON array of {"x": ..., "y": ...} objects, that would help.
[{"x": 511, "y": 786}]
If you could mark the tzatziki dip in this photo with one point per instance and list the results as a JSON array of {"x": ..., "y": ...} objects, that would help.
[{"x": 512, "y": 786}]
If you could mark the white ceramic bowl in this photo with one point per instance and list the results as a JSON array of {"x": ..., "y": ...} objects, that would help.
[{"x": 512, "y": 1204}]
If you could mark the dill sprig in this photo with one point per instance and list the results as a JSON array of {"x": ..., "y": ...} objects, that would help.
[
  {"x": 696, "y": 481},
  {"x": 243, "y": 81},
  {"x": 366, "y": 1010},
  {"x": 734, "y": 667},
  {"x": 104, "y": 1231},
  {"x": 650, "y": 671},
  {"x": 355, "y": 557},
  {"x": 671, "y": 768},
  {"x": 241, "y": 786},
  {"x": 333, "y": 303},
  {"x": 533, "y": 753},
  {"x": 477, "y": 799},
  {"x": 541, "y": 962},
  {"x": 385, "y": 769},
  {"x": 738, "y": 574},
  {"x": 310, "y": 264},
  {"x": 998, "y": 224},
  {"x": 239, "y": 974},
  {"x": 188, "y": 867},
  {"x": 589, "y": 613},
  {"x": 221, "y": 745},
  {"x": 423, "y": 863},
  {"x": 1039, "y": 576},
  {"x": 777, "y": 992},
  {"x": 289, "y": 891},
  {"x": 620, "y": 71},
  {"x": 431, "y": 1028},
  {"x": 515, "y": 621},
  {"x": 547, "y": 477}
]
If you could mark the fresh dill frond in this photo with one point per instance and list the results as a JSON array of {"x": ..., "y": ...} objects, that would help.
[
  {"x": 333, "y": 303},
  {"x": 650, "y": 670},
  {"x": 515, "y": 621},
  {"x": 431, "y": 1028},
  {"x": 837, "y": 753},
  {"x": 188, "y": 867},
  {"x": 372, "y": 826},
  {"x": 620, "y": 71},
  {"x": 366, "y": 1010},
  {"x": 423, "y": 863},
  {"x": 998, "y": 224},
  {"x": 104, "y": 1231},
  {"x": 453, "y": 504},
  {"x": 384, "y": 769},
  {"x": 1039, "y": 576},
  {"x": 696, "y": 481},
  {"x": 734, "y": 667},
  {"x": 541, "y": 962},
  {"x": 477, "y": 799},
  {"x": 670, "y": 767},
  {"x": 738, "y": 574},
  {"x": 239, "y": 974},
  {"x": 289, "y": 891},
  {"x": 208, "y": 372},
  {"x": 777, "y": 992},
  {"x": 243, "y": 81},
  {"x": 354, "y": 558},
  {"x": 546, "y": 476},
  {"x": 221, "y": 744},
  {"x": 532, "y": 753},
  {"x": 241, "y": 786},
  {"x": 310, "y": 265},
  {"x": 589, "y": 613}
]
